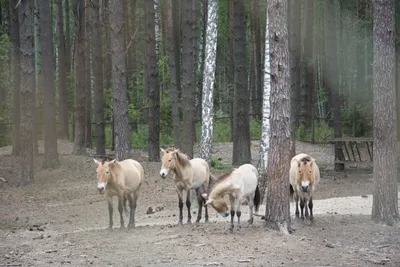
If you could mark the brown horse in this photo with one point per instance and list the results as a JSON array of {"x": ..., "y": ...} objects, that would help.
[
  {"x": 188, "y": 175},
  {"x": 122, "y": 179},
  {"x": 239, "y": 183},
  {"x": 304, "y": 175}
]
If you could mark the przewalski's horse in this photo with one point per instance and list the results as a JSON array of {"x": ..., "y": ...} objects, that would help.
[
  {"x": 122, "y": 179},
  {"x": 188, "y": 174},
  {"x": 303, "y": 176},
  {"x": 239, "y": 183}
]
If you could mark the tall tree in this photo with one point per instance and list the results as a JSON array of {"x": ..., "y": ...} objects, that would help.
[
  {"x": 122, "y": 140},
  {"x": 256, "y": 57},
  {"x": 16, "y": 57},
  {"x": 207, "y": 127},
  {"x": 50, "y": 132},
  {"x": 277, "y": 207},
  {"x": 174, "y": 56},
  {"x": 88, "y": 79},
  {"x": 331, "y": 80},
  {"x": 68, "y": 57},
  {"x": 27, "y": 91},
  {"x": 189, "y": 10},
  {"x": 152, "y": 83},
  {"x": 98, "y": 81},
  {"x": 385, "y": 202},
  {"x": 62, "y": 72},
  {"x": 398, "y": 69},
  {"x": 241, "y": 138},
  {"x": 79, "y": 138},
  {"x": 38, "y": 89},
  {"x": 266, "y": 113}
]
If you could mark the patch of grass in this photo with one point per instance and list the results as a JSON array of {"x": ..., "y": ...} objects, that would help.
[
  {"x": 217, "y": 164},
  {"x": 322, "y": 133}
]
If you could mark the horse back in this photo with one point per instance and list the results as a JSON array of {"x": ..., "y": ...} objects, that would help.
[
  {"x": 246, "y": 178},
  {"x": 201, "y": 173},
  {"x": 132, "y": 174}
]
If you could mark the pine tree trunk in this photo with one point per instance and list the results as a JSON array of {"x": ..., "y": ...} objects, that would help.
[
  {"x": 62, "y": 72},
  {"x": 174, "y": 55},
  {"x": 208, "y": 82},
  {"x": 122, "y": 140},
  {"x": 188, "y": 74},
  {"x": 241, "y": 139},
  {"x": 88, "y": 83},
  {"x": 38, "y": 90},
  {"x": 385, "y": 202},
  {"x": 27, "y": 92},
  {"x": 277, "y": 208},
  {"x": 16, "y": 57},
  {"x": 256, "y": 101},
  {"x": 107, "y": 42},
  {"x": 68, "y": 67},
  {"x": 398, "y": 69},
  {"x": 79, "y": 138},
  {"x": 230, "y": 70},
  {"x": 98, "y": 81},
  {"x": 152, "y": 84},
  {"x": 266, "y": 113},
  {"x": 50, "y": 133}
]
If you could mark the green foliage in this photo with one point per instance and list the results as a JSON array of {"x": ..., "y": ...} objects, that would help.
[
  {"x": 322, "y": 132},
  {"x": 357, "y": 122},
  {"x": 217, "y": 164}
]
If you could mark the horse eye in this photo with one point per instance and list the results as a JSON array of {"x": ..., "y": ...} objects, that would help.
[
  {"x": 169, "y": 160},
  {"x": 310, "y": 171}
]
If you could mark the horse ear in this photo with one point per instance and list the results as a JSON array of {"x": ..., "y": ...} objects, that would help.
[
  {"x": 208, "y": 202},
  {"x": 96, "y": 161},
  {"x": 204, "y": 195},
  {"x": 298, "y": 163},
  {"x": 311, "y": 163},
  {"x": 112, "y": 161},
  {"x": 175, "y": 151},
  {"x": 162, "y": 150}
]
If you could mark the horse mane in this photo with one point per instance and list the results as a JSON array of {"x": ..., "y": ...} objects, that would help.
[
  {"x": 306, "y": 159},
  {"x": 219, "y": 180},
  {"x": 106, "y": 159},
  {"x": 181, "y": 157}
]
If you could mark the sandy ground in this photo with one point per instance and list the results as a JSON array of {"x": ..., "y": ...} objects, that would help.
[{"x": 61, "y": 220}]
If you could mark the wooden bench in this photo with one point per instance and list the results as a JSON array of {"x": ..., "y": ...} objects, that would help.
[{"x": 352, "y": 147}]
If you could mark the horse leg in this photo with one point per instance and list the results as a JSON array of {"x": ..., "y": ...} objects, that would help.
[
  {"x": 205, "y": 188},
  {"x": 232, "y": 200},
  {"x": 297, "y": 205},
  {"x": 250, "y": 200},
  {"x": 188, "y": 204},
  {"x": 110, "y": 213},
  {"x": 238, "y": 214},
  {"x": 132, "y": 205},
  {"x": 180, "y": 204},
  {"x": 121, "y": 212},
  {"x": 200, "y": 203},
  {"x": 305, "y": 208},
  {"x": 310, "y": 205},
  {"x": 302, "y": 200}
]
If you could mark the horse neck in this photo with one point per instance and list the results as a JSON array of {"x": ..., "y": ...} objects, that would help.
[
  {"x": 180, "y": 170},
  {"x": 222, "y": 188}
]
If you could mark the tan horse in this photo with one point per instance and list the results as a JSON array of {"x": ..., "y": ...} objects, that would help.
[
  {"x": 239, "y": 183},
  {"x": 304, "y": 175},
  {"x": 188, "y": 174},
  {"x": 122, "y": 179}
]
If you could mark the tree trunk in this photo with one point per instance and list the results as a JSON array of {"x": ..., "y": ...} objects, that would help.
[
  {"x": 50, "y": 133},
  {"x": 256, "y": 101},
  {"x": 88, "y": 84},
  {"x": 385, "y": 196},
  {"x": 27, "y": 92},
  {"x": 277, "y": 208},
  {"x": 266, "y": 113},
  {"x": 208, "y": 82},
  {"x": 174, "y": 56},
  {"x": 16, "y": 57},
  {"x": 79, "y": 140},
  {"x": 152, "y": 84},
  {"x": 107, "y": 42},
  {"x": 98, "y": 82},
  {"x": 68, "y": 67},
  {"x": 398, "y": 69},
  {"x": 241, "y": 139},
  {"x": 189, "y": 28},
  {"x": 62, "y": 73},
  {"x": 38, "y": 90},
  {"x": 230, "y": 69},
  {"x": 122, "y": 140}
]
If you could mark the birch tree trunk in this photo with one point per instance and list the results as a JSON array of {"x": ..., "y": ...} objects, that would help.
[
  {"x": 385, "y": 196},
  {"x": 50, "y": 132},
  {"x": 266, "y": 113},
  {"x": 27, "y": 69},
  {"x": 122, "y": 140},
  {"x": 277, "y": 207},
  {"x": 208, "y": 83}
]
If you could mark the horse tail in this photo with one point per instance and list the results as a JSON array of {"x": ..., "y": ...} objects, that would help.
[
  {"x": 124, "y": 204},
  {"x": 291, "y": 191},
  {"x": 257, "y": 199}
]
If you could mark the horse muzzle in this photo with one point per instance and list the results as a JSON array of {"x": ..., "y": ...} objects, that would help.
[
  {"x": 102, "y": 188},
  {"x": 164, "y": 173},
  {"x": 305, "y": 189}
]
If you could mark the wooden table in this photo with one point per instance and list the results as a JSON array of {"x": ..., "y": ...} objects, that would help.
[{"x": 351, "y": 147}]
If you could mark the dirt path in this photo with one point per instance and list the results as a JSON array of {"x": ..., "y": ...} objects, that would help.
[{"x": 61, "y": 219}]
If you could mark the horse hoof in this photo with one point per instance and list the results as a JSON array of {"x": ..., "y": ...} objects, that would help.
[
  {"x": 189, "y": 222},
  {"x": 311, "y": 218},
  {"x": 131, "y": 226},
  {"x": 180, "y": 224},
  {"x": 239, "y": 229},
  {"x": 109, "y": 228},
  {"x": 302, "y": 217}
]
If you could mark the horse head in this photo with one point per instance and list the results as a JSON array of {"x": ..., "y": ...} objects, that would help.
[
  {"x": 172, "y": 158},
  {"x": 306, "y": 174},
  {"x": 103, "y": 173},
  {"x": 218, "y": 203}
]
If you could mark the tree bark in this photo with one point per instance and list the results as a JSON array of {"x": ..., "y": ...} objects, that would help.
[
  {"x": 88, "y": 80},
  {"x": 27, "y": 69},
  {"x": 79, "y": 138},
  {"x": 16, "y": 57},
  {"x": 398, "y": 69},
  {"x": 62, "y": 72},
  {"x": 174, "y": 56},
  {"x": 256, "y": 101},
  {"x": 122, "y": 140},
  {"x": 50, "y": 133},
  {"x": 385, "y": 196},
  {"x": 208, "y": 82},
  {"x": 241, "y": 138},
  {"x": 98, "y": 81},
  {"x": 38, "y": 90},
  {"x": 188, "y": 74},
  {"x": 277, "y": 208}
]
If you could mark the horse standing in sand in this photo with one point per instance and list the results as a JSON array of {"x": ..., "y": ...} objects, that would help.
[
  {"x": 239, "y": 183},
  {"x": 303, "y": 177},
  {"x": 122, "y": 179},
  {"x": 188, "y": 174}
]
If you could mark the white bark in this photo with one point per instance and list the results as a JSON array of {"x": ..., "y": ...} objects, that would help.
[
  {"x": 265, "y": 130},
  {"x": 208, "y": 81}
]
